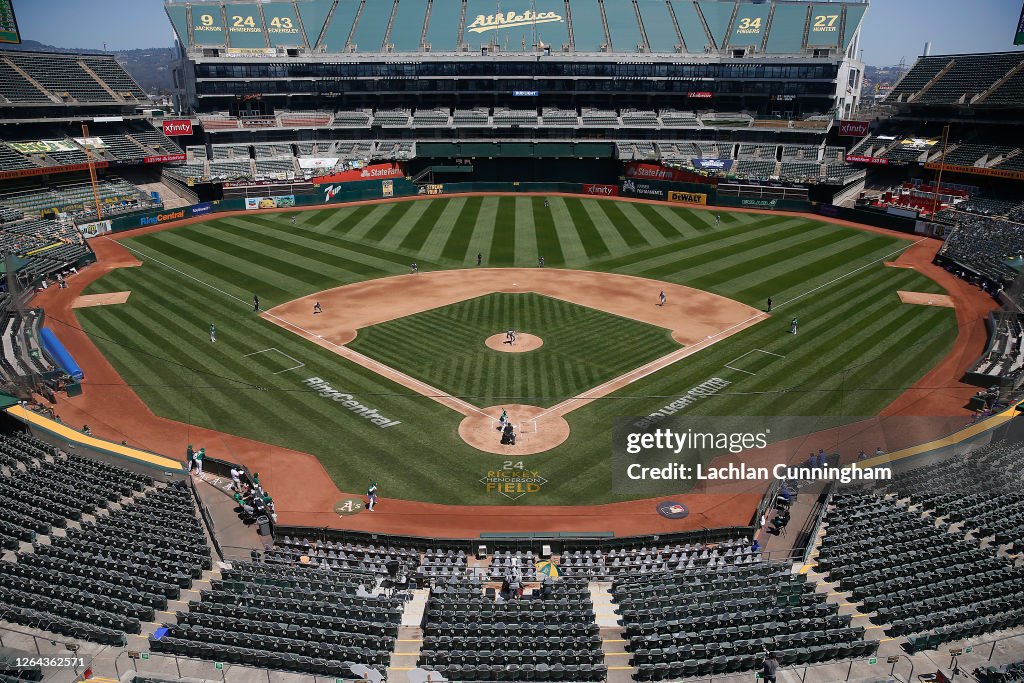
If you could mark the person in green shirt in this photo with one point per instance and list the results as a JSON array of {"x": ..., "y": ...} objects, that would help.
[{"x": 198, "y": 458}]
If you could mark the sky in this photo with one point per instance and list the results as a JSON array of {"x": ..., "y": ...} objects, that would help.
[{"x": 893, "y": 29}]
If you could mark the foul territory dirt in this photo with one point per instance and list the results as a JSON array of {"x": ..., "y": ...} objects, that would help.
[{"x": 305, "y": 494}]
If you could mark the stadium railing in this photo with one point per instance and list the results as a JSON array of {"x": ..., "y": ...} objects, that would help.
[{"x": 521, "y": 541}]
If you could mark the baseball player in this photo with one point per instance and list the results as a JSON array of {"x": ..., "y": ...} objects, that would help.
[
  {"x": 662, "y": 298},
  {"x": 255, "y": 303},
  {"x": 213, "y": 333},
  {"x": 293, "y": 220},
  {"x": 769, "y": 305},
  {"x": 371, "y": 496},
  {"x": 793, "y": 325},
  {"x": 316, "y": 308}
]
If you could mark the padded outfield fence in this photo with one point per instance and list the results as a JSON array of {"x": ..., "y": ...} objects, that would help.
[{"x": 682, "y": 194}]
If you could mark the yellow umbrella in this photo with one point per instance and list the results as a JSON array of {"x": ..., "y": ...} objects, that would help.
[{"x": 548, "y": 568}]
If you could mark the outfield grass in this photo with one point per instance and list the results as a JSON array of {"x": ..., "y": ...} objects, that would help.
[
  {"x": 858, "y": 346},
  {"x": 582, "y": 348}
]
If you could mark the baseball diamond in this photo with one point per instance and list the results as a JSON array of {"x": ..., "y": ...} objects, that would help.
[
  {"x": 832, "y": 277},
  {"x": 509, "y": 341}
]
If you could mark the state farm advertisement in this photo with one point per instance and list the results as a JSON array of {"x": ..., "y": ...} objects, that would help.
[
  {"x": 856, "y": 129},
  {"x": 656, "y": 172},
  {"x": 877, "y": 161},
  {"x": 177, "y": 127},
  {"x": 601, "y": 190},
  {"x": 372, "y": 172},
  {"x": 164, "y": 158}
]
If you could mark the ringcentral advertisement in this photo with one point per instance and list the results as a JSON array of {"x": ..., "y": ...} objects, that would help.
[{"x": 665, "y": 452}]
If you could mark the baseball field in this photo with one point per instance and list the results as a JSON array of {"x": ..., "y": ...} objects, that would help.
[{"x": 858, "y": 347}]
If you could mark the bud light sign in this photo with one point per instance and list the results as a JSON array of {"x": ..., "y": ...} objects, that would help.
[{"x": 722, "y": 165}]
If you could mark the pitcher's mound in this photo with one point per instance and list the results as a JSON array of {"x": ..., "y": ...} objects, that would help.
[
  {"x": 536, "y": 431},
  {"x": 524, "y": 342}
]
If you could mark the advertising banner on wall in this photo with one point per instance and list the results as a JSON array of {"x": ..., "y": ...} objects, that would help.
[
  {"x": 856, "y": 129},
  {"x": 430, "y": 189},
  {"x": 279, "y": 202},
  {"x": 177, "y": 127},
  {"x": 875, "y": 161},
  {"x": 656, "y": 172},
  {"x": 202, "y": 208},
  {"x": 721, "y": 165},
  {"x": 976, "y": 170},
  {"x": 318, "y": 162},
  {"x": 372, "y": 172},
  {"x": 601, "y": 190},
  {"x": 387, "y": 188},
  {"x": 687, "y": 197},
  {"x": 163, "y": 158},
  {"x": 94, "y": 229},
  {"x": 634, "y": 188}
]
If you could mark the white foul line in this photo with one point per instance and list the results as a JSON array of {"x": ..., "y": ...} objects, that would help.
[{"x": 352, "y": 355}]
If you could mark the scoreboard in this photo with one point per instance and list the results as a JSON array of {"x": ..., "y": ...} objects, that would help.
[
  {"x": 8, "y": 24},
  {"x": 1019, "y": 38}
]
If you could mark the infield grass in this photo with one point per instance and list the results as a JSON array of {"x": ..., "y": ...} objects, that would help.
[
  {"x": 583, "y": 348},
  {"x": 858, "y": 348}
]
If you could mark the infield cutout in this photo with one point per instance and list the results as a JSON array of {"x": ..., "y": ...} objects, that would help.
[
  {"x": 107, "y": 299},
  {"x": 293, "y": 360},
  {"x": 697, "y": 320},
  {"x": 758, "y": 363},
  {"x": 925, "y": 299}
]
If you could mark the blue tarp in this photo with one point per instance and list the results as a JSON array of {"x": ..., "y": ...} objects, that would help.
[{"x": 59, "y": 354}]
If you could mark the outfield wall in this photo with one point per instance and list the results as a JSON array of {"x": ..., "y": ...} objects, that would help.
[{"x": 673, "y": 192}]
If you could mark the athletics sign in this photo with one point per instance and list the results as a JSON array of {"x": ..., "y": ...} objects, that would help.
[{"x": 493, "y": 22}]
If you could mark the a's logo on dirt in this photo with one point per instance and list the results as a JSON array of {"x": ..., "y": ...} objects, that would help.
[
  {"x": 513, "y": 481},
  {"x": 349, "y": 506}
]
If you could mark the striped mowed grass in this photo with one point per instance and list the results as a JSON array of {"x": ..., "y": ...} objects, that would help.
[
  {"x": 858, "y": 346},
  {"x": 583, "y": 348}
]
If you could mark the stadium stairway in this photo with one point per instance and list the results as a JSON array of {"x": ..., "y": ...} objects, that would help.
[
  {"x": 613, "y": 639},
  {"x": 410, "y": 638}
]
